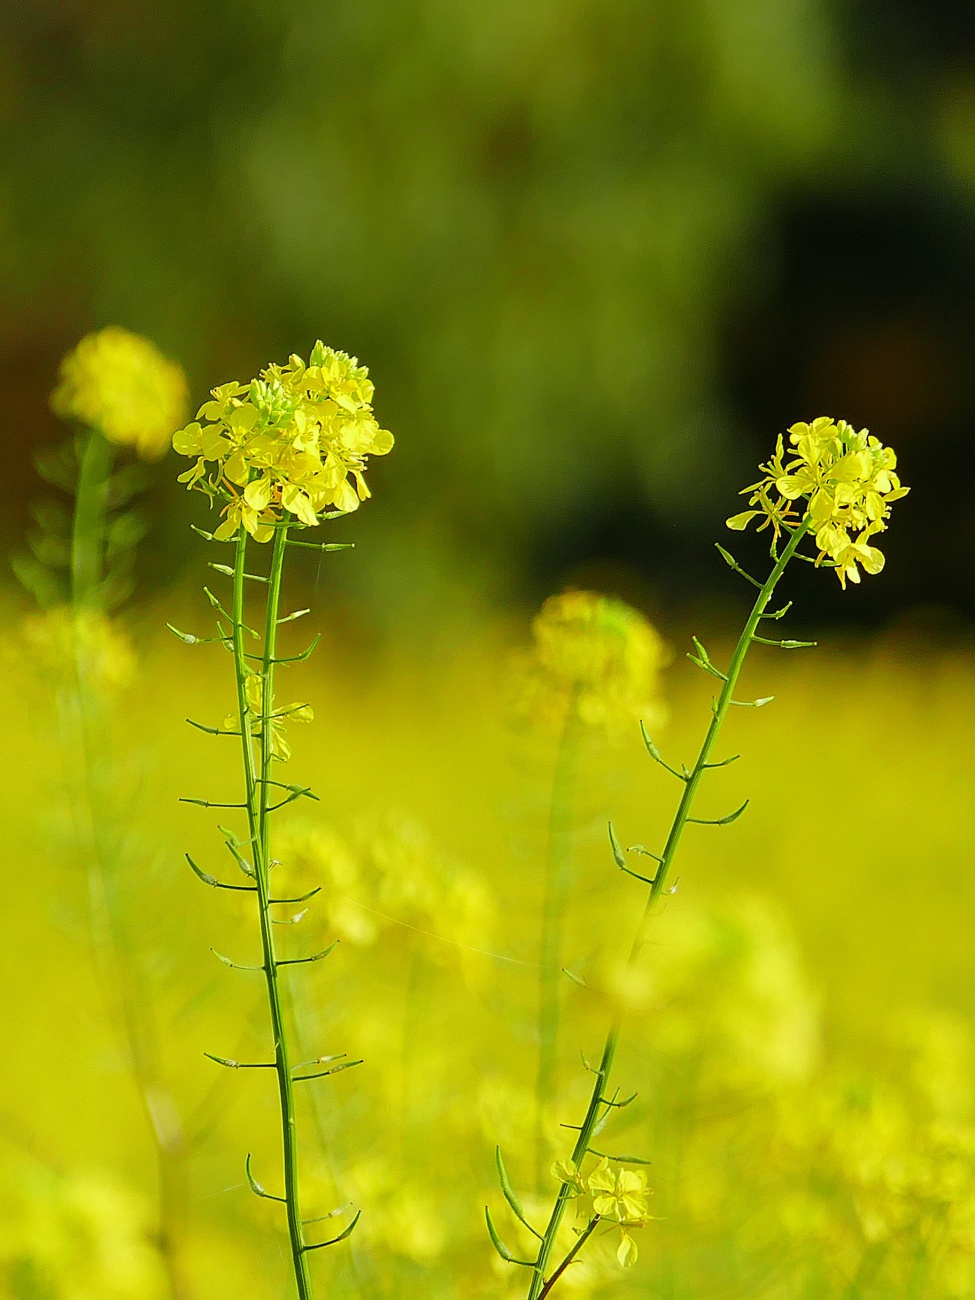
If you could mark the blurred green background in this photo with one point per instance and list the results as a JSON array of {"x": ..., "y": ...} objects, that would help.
[{"x": 595, "y": 252}]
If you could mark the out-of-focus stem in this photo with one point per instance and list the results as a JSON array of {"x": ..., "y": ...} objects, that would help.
[
  {"x": 83, "y": 731},
  {"x": 558, "y": 880},
  {"x": 88, "y": 527}
]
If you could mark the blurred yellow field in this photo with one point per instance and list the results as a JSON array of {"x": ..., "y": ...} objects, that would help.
[
  {"x": 490, "y": 820},
  {"x": 802, "y": 1041}
]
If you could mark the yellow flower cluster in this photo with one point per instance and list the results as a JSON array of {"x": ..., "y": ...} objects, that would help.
[
  {"x": 391, "y": 880},
  {"x": 290, "y": 441},
  {"x": 593, "y": 659},
  {"x": 849, "y": 482},
  {"x": 122, "y": 385}
]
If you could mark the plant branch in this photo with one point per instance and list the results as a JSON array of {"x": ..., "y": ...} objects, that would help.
[
  {"x": 257, "y": 786},
  {"x": 682, "y": 816}
]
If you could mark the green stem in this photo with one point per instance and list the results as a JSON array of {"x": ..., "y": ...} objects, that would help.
[
  {"x": 88, "y": 529},
  {"x": 598, "y": 1102},
  {"x": 257, "y": 790},
  {"x": 557, "y": 885}
]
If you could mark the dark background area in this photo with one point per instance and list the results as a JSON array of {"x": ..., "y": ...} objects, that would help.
[{"x": 595, "y": 253}]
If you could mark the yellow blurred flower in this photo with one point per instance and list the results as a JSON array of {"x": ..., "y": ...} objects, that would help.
[
  {"x": 286, "y": 444},
  {"x": 849, "y": 482},
  {"x": 84, "y": 642},
  {"x": 592, "y": 658},
  {"x": 122, "y": 385},
  {"x": 315, "y": 855},
  {"x": 76, "y": 1237}
]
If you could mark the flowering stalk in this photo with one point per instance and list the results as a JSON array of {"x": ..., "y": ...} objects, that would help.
[
  {"x": 282, "y": 449},
  {"x": 847, "y": 482},
  {"x": 257, "y": 790},
  {"x": 599, "y": 1103},
  {"x": 122, "y": 392},
  {"x": 257, "y": 718}
]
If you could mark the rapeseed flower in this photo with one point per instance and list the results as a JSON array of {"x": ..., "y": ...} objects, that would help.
[
  {"x": 848, "y": 480},
  {"x": 621, "y": 1196},
  {"x": 292, "y": 442},
  {"x": 122, "y": 385},
  {"x": 295, "y": 712},
  {"x": 593, "y": 659}
]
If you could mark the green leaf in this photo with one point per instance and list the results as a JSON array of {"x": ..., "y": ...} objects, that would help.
[
  {"x": 499, "y": 1245},
  {"x": 617, "y": 851}
]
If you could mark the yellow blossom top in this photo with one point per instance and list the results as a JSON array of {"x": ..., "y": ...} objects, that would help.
[
  {"x": 122, "y": 385},
  {"x": 286, "y": 443},
  {"x": 847, "y": 478},
  {"x": 594, "y": 659}
]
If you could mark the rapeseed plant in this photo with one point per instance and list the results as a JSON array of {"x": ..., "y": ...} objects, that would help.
[
  {"x": 122, "y": 393},
  {"x": 785, "y": 1162},
  {"x": 283, "y": 449},
  {"x": 846, "y": 482}
]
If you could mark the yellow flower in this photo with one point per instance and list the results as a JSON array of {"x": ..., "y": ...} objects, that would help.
[
  {"x": 592, "y": 658},
  {"x": 621, "y": 1196},
  {"x": 567, "y": 1171},
  {"x": 292, "y": 442},
  {"x": 122, "y": 385},
  {"x": 849, "y": 484},
  {"x": 296, "y": 712}
]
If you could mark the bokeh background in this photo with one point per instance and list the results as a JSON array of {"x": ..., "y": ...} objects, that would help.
[{"x": 596, "y": 254}]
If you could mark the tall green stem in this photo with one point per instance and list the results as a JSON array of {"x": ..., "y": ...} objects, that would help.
[
  {"x": 257, "y": 781},
  {"x": 598, "y": 1102},
  {"x": 557, "y": 885}
]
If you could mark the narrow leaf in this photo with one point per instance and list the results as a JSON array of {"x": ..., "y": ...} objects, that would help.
[
  {"x": 212, "y": 880},
  {"x": 623, "y": 1160},
  {"x": 499, "y": 1245},
  {"x": 730, "y": 560},
  {"x": 509, "y": 1192},
  {"x": 256, "y": 1187},
  {"x": 615, "y": 845},
  {"x": 655, "y": 754},
  {"x": 720, "y": 821},
  {"x": 333, "y": 1241},
  {"x": 785, "y": 645}
]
